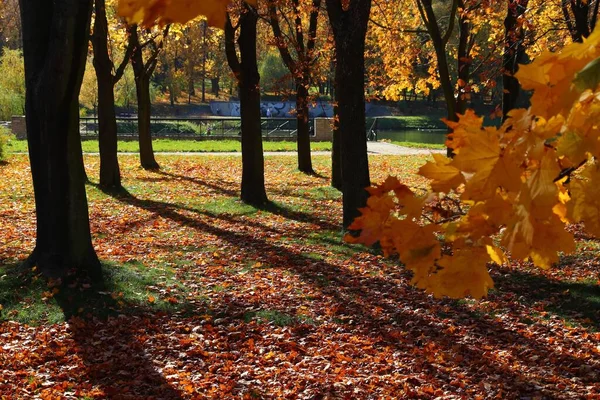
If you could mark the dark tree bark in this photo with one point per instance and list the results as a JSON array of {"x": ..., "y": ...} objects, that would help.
[
  {"x": 300, "y": 68},
  {"x": 439, "y": 44},
  {"x": 55, "y": 38},
  {"x": 349, "y": 30},
  {"x": 580, "y": 17},
  {"x": 465, "y": 44},
  {"x": 303, "y": 133},
  {"x": 142, "y": 72},
  {"x": 110, "y": 176},
  {"x": 214, "y": 82},
  {"x": 204, "y": 57},
  {"x": 514, "y": 53},
  {"x": 245, "y": 70},
  {"x": 336, "y": 153}
]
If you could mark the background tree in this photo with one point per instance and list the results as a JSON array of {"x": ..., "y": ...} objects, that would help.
[
  {"x": 143, "y": 70},
  {"x": 245, "y": 70},
  {"x": 306, "y": 15},
  {"x": 107, "y": 77},
  {"x": 10, "y": 25},
  {"x": 349, "y": 24},
  {"x": 514, "y": 53},
  {"x": 88, "y": 95},
  {"x": 580, "y": 17},
  {"x": 12, "y": 84},
  {"x": 55, "y": 41}
]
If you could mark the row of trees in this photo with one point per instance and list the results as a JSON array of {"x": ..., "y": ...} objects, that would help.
[{"x": 55, "y": 41}]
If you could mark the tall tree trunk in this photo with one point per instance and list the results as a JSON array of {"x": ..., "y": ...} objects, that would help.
[
  {"x": 142, "y": 88},
  {"x": 439, "y": 45},
  {"x": 204, "y": 50},
  {"x": 191, "y": 90},
  {"x": 246, "y": 71},
  {"x": 349, "y": 30},
  {"x": 579, "y": 25},
  {"x": 55, "y": 38},
  {"x": 336, "y": 152},
  {"x": 110, "y": 176},
  {"x": 303, "y": 135},
  {"x": 514, "y": 53},
  {"x": 463, "y": 61},
  {"x": 214, "y": 83}
]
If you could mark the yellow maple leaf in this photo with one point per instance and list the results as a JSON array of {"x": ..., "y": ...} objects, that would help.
[
  {"x": 150, "y": 12},
  {"x": 462, "y": 274},
  {"x": 444, "y": 177},
  {"x": 416, "y": 245},
  {"x": 585, "y": 193}
]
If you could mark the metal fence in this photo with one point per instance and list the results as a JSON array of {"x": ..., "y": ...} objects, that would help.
[{"x": 195, "y": 128}]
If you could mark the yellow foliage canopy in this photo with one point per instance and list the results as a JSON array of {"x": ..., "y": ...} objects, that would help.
[
  {"x": 512, "y": 188},
  {"x": 150, "y": 12}
]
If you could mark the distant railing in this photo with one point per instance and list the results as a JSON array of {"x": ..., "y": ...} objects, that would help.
[{"x": 195, "y": 128}]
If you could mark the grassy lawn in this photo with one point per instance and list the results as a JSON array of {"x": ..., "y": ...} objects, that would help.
[
  {"x": 166, "y": 145},
  {"x": 419, "y": 145},
  {"x": 408, "y": 122},
  {"x": 206, "y": 297}
]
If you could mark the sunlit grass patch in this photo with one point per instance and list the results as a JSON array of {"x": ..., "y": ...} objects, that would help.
[{"x": 128, "y": 287}]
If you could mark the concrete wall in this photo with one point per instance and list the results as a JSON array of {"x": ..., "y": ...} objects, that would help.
[{"x": 18, "y": 126}]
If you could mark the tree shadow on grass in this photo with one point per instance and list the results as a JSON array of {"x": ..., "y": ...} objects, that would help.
[
  {"x": 575, "y": 302},
  {"x": 109, "y": 333},
  {"x": 200, "y": 182},
  {"x": 357, "y": 297}
]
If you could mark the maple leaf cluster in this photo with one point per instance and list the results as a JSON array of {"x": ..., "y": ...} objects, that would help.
[{"x": 512, "y": 188}]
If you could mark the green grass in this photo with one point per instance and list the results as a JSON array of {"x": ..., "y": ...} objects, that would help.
[
  {"x": 167, "y": 145},
  {"x": 432, "y": 146},
  {"x": 276, "y": 318},
  {"x": 26, "y": 296},
  {"x": 576, "y": 302},
  {"x": 408, "y": 122}
]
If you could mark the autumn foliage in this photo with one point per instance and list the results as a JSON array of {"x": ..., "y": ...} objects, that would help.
[
  {"x": 149, "y": 12},
  {"x": 510, "y": 189}
]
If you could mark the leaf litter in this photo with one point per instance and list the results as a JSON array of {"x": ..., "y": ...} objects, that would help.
[{"x": 270, "y": 304}]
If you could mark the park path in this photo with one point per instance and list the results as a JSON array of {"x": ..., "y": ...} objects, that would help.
[{"x": 373, "y": 148}]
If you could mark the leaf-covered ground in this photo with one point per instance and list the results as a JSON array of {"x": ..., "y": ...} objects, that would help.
[{"x": 205, "y": 297}]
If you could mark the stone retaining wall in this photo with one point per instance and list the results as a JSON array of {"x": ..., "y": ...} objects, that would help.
[
  {"x": 18, "y": 126},
  {"x": 323, "y": 130}
]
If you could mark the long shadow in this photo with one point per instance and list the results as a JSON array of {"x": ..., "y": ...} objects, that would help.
[
  {"x": 577, "y": 302},
  {"x": 298, "y": 216},
  {"x": 217, "y": 188},
  {"x": 124, "y": 195},
  {"x": 270, "y": 207},
  {"x": 357, "y": 297},
  {"x": 116, "y": 360}
]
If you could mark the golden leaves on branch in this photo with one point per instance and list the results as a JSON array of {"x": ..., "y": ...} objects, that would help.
[
  {"x": 513, "y": 187},
  {"x": 151, "y": 12}
]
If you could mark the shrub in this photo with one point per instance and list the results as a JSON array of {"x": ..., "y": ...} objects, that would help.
[{"x": 5, "y": 137}]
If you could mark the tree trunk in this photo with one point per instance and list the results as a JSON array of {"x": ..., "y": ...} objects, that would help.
[
  {"x": 246, "y": 71},
  {"x": 110, "y": 176},
  {"x": 142, "y": 88},
  {"x": 464, "y": 63},
  {"x": 349, "y": 29},
  {"x": 303, "y": 135},
  {"x": 214, "y": 82},
  {"x": 55, "y": 38},
  {"x": 191, "y": 89},
  {"x": 514, "y": 52},
  {"x": 204, "y": 50},
  {"x": 336, "y": 153}
]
